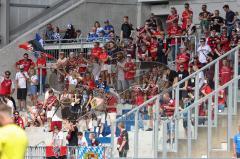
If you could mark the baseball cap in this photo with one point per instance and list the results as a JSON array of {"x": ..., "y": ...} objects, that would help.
[
  {"x": 128, "y": 55},
  {"x": 182, "y": 47},
  {"x": 202, "y": 40}
]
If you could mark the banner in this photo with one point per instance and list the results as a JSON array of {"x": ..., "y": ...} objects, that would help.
[
  {"x": 91, "y": 152},
  {"x": 52, "y": 151}
]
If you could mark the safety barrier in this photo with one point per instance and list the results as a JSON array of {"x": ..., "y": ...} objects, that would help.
[
  {"x": 171, "y": 126},
  {"x": 69, "y": 152}
]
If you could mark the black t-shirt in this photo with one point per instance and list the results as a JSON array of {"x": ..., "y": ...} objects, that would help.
[
  {"x": 172, "y": 75},
  {"x": 214, "y": 25},
  {"x": 126, "y": 28},
  {"x": 182, "y": 75},
  {"x": 73, "y": 141},
  {"x": 229, "y": 18}
]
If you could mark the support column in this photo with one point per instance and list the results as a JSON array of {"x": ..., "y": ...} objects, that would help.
[
  {"x": 139, "y": 14},
  {"x": 4, "y": 21}
]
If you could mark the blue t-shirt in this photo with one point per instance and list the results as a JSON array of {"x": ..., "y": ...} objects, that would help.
[
  {"x": 236, "y": 140},
  {"x": 108, "y": 28}
]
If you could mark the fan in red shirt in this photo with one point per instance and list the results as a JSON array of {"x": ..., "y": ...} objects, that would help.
[
  {"x": 82, "y": 64},
  {"x": 42, "y": 62},
  {"x": 175, "y": 30},
  {"x": 225, "y": 72},
  {"x": 88, "y": 82},
  {"x": 129, "y": 70},
  {"x": 111, "y": 107},
  {"x": 72, "y": 62},
  {"x": 172, "y": 18},
  {"x": 96, "y": 50},
  {"x": 183, "y": 58},
  {"x": 186, "y": 15},
  {"x": 213, "y": 40},
  {"x": 225, "y": 43},
  {"x": 153, "y": 48},
  {"x": 26, "y": 62},
  {"x": 18, "y": 120},
  {"x": 6, "y": 85},
  {"x": 138, "y": 96},
  {"x": 168, "y": 106}
]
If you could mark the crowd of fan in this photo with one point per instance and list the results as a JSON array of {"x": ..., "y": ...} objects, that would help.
[{"x": 94, "y": 84}]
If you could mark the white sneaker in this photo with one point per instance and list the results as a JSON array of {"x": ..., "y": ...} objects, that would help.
[{"x": 100, "y": 135}]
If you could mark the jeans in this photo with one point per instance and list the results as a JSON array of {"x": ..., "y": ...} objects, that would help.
[
  {"x": 121, "y": 85},
  {"x": 229, "y": 30},
  {"x": 43, "y": 80},
  {"x": 140, "y": 121},
  {"x": 129, "y": 83},
  {"x": 238, "y": 154}
]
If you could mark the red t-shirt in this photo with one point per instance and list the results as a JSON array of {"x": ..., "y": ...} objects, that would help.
[
  {"x": 169, "y": 112},
  {"x": 170, "y": 17},
  {"x": 201, "y": 110},
  {"x": 225, "y": 74},
  {"x": 153, "y": 49},
  {"x": 103, "y": 56},
  {"x": 111, "y": 104},
  {"x": 96, "y": 52},
  {"x": 5, "y": 87},
  {"x": 183, "y": 56},
  {"x": 89, "y": 82},
  {"x": 225, "y": 43},
  {"x": 174, "y": 31},
  {"x": 186, "y": 15},
  {"x": 212, "y": 42},
  {"x": 43, "y": 62},
  {"x": 19, "y": 122},
  {"x": 82, "y": 66},
  {"x": 130, "y": 73},
  {"x": 26, "y": 63},
  {"x": 139, "y": 99}
]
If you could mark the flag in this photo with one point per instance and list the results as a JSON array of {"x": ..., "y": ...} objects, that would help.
[{"x": 35, "y": 46}]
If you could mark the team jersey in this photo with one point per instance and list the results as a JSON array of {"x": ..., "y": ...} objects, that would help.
[
  {"x": 225, "y": 74},
  {"x": 13, "y": 142},
  {"x": 153, "y": 49},
  {"x": 95, "y": 52},
  {"x": 174, "y": 31},
  {"x": 170, "y": 17},
  {"x": 130, "y": 73},
  {"x": 183, "y": 56},
  {"x": 26, "y": 63},
  {"x": 42, "y": 61},
  {"x": 186, "y": 15}
]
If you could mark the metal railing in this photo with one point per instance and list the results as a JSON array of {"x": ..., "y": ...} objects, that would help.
[
  {"x": 211, "y": 107},
  {"x": 134, "y": 113},
  {"x": 72, "y": 152}
]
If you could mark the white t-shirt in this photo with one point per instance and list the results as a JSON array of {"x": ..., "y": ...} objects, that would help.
[
  {"x": 201, "y": 79},
  {"x": 33, "y": 78},
  {"x": 203, "y": 51},
  {"x": 82, "y": 142},
  {"x": 10, "y": 104},
  {"x": 57, "y": 138},
  {"x": 21, "y": 80},
  {"x": 72, "y": 81}
]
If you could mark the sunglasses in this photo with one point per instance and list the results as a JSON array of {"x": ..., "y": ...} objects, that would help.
[{"x": 16, "y": 114}]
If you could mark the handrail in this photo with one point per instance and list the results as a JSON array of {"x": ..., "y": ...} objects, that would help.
[
  {"x": 207, "y": 66},
  {"x": 203, "y": 98}
]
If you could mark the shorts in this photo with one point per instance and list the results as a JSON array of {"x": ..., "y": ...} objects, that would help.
[
  {"x": 56, "y": 123},
  {"x": 22, "y": 93},
  {"x": 104, "y": 67},
  {"x": 32, "y": 90},
  {"x": 111, "y": 118}
]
